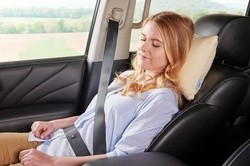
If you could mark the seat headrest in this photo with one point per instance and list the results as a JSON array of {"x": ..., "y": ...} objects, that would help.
[{"x": 233, "y": 37}]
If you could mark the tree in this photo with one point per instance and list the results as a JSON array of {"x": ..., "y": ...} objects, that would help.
[
  {"x": 60, "y": 26},
  {"x": 36, "y": 27}
]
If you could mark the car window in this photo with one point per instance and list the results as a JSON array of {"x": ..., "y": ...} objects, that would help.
[
  {"x": 192, "y": 8},
  {"x": 39, "y": 29}
]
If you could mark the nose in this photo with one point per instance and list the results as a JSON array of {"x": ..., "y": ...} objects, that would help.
[{"x": 144, "y": 45}]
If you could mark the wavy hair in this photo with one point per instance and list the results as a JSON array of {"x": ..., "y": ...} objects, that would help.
[{"x": 177, "y": 33}]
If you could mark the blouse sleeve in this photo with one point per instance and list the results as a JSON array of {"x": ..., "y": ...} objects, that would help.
[{"x": 150, "y": 120}]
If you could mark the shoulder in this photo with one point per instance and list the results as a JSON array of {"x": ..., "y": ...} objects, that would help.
[
  {"x": 118, "y": 84},
  {"x": 126, "y": 73},
  {"x": 162, "y": 101},
  {"x": 122, "y": 75},
  {"x": 164, "y": 95}
]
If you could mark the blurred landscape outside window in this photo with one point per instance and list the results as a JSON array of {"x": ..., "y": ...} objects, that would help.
[
  {"x": 192, "y": 8},
  {"x": 39, "y": 29}
]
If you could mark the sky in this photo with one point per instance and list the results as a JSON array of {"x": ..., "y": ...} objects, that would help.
[
  {"x": 231, "y": 3},
  {"x": 47, "y": 3},
  {"x": 83, "y": 3},
  {"x": 228, "y": 1}
]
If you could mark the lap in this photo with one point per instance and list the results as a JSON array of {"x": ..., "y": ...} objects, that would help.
[{"x": 11, "y": 144}]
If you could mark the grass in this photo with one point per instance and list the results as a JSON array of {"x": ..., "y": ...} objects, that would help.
[{"x": 47, "y": 48}]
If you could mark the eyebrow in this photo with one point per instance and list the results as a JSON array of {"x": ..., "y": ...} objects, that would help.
[{"x": 153, "y": 38}]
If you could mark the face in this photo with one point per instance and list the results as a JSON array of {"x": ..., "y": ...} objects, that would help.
[{"x": 151, "y": 55}]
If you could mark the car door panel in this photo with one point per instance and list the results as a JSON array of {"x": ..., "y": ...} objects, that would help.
[{"x": 39, "y": 90}]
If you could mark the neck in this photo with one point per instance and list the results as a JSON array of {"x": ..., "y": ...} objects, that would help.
[{"x": 152, "y": 73}]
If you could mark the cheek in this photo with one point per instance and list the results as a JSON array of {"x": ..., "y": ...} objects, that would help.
[
  {"x": 160, "y": 64},
  {"x": 139, "y": 45},
  {"x": 164, "y": 61},
  {"x": 161, "y": 59}
]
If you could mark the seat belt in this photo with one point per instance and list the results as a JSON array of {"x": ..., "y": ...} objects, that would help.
[
  {"x": 99, "y": 134},
  {"x": 75, "y": 140}
]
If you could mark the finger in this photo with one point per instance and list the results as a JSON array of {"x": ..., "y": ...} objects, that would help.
[
  {"x": 45, "y": 133},
  {"x": 22, "y": 154},
  {"x": 37, "y": 133},
  {"x": 33, "y": 126},
  {"x": 35, "y": 129},
  {"x": 25, "y": 161}
]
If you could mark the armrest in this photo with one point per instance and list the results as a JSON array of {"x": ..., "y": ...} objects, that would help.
[{"x": 140, "y": 159}]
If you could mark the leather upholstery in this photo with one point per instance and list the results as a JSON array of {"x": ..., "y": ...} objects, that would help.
[
  {"x": 241, "y": 157},
  {"x": 23, "y": 87},
  {"x": 233, "y": 31},
  {"x": 213, "y": 24},
  {"x": 233, "y": 43},
  {"x": 40, "y": 90},
  {"x": 20, "y": 118},
  {"x": 244, "y": 108},
  {"x": 141, "y": 159}
]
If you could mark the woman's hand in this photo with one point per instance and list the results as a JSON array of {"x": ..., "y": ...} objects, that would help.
[
  {"x": 33, "y": 157},
  {"x": 42, "y": 129}
]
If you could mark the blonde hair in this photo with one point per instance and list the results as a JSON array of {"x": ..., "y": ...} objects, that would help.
[{"x": 177, "y": 33}]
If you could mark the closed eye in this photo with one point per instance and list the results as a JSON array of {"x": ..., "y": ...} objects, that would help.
[{"x": 157, "y": 44}]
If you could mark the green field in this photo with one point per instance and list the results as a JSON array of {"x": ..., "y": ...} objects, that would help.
[
  {"x": 50, "y": 48},
  {"x": 36, "y": 46},
  {"x": 21, "y": 25}
]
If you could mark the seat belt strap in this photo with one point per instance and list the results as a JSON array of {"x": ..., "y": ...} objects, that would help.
[
  {"x": 99, "y": 135},
  {"x": 75, "y": 140}
]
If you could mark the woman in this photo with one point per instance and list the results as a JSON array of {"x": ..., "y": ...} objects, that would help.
[{"x": 138, "y": 105}]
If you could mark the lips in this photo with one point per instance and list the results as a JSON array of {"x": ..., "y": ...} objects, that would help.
[{"x": 142, "y": 55}]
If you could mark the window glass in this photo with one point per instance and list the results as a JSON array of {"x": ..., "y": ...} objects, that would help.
[
  {"x": 38, "y": 29},
  {"x": 192, "y": 8}
]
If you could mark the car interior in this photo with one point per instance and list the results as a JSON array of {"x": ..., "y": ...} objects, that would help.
[{"x": 212, "y": 128}]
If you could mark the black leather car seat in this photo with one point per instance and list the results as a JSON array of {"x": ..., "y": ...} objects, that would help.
[
  {"x": 190, "y": 134},
  {"x": 241, "y": 157},
  {"x": 235, "y": 41}
]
